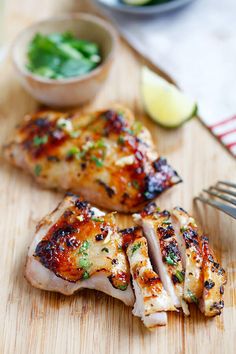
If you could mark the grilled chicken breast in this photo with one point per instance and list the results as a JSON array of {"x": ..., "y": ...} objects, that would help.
[
  {"x": 164, "y": 251},
  {"x": 151, "y": 298},
  {"x": 107, "y": 157},
  {"x": 214, "y": 279},
  {"x": 78, "y": 246},
  {"x": 187, "y": 266},
  {"x": 190, "y": 249}
]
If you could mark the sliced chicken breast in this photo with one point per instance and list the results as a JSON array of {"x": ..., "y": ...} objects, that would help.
[
  {"x": 164, "y": 251},
  {"x": 214, "y": 279},
  {"x": 189, "y": 245},
  {"x": 107, "y": 157},
  {"x": 78, "y": 246},
  {"x": 151, "y": 298}
]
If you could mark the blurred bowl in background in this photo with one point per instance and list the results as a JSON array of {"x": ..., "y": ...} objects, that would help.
[
  {"x": 69, "y": 91},
  {"x": 151, "y": 9}
]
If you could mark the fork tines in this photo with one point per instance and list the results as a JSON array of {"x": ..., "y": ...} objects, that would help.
[{"x": 225, "y": 191}]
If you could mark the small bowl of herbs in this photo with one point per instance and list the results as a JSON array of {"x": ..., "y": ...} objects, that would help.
[
  {"x": 61, "y": 56},
  {"x": 63, "y": 61}
]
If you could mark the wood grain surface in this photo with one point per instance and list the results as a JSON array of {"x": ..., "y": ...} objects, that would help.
[{"x": 34, "y": 321}]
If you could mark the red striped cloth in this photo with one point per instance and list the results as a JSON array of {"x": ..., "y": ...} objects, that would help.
[{"x": 225, "y": 131}]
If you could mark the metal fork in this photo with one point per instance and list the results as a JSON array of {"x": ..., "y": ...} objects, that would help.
[{"x": 222, "y": 190}]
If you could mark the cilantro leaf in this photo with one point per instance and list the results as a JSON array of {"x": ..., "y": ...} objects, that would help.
[
  {"x": 135, "y": 247},
  {"x": 180, "y": 276},
  {"x": 37, "y": 169},
  {"x": 85, "y": 245},
  {"x": 40, "y": 140},
  {"x": 98, "y": 162}
]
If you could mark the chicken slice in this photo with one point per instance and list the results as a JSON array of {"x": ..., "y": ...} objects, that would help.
[
  {"x": 189, "y": 245},
  {"x": 151, "y": 298},
  {"x": 164, "y": 251},
  {"x": 107, "y": 157},
  {"x": 78, "y": 246},
  {"x": 214, "y": 279}
]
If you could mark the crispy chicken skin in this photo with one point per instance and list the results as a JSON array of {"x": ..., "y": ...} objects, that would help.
[
  {"x": 164, "y": 251},
  {"x": 214, "y": 279},
  {"x": 78, "y": 246},
  {"x": 151, "y": 298},
  {"x": 189, "y": 241},
  {"x": 107, "y": 157}
]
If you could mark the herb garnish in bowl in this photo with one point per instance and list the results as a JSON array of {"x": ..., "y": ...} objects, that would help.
[{"x": 61, "y": 56}]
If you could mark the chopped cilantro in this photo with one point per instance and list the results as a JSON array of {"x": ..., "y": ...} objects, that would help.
[
  {"x": 100, "y": 144},
  {"x": 61, "y": 55},
  {"x": 37, "y": 169},
  {"x": 105, "y": 249},
  {"x": 123, "y": 287},
  {"x": 86, "y": 275},
  {"x": 85, "y": 245},
  {"x": 180, "y": 276},
  {"x": 192, "y": 296},
  {"x": 166, "y": 222},
  {"x": 171, "y": 258},
  {"x": 136, "y": 247},
  {"x": 40, "y": 140},
  {"x": 73, "y": 151},
  {"x": 98, "y": 162},
  {"x": 84, "y": 263},
  {"x": 170, "y": 261}
]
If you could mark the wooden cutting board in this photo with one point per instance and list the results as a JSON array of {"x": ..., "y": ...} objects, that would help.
[{"x": 34, "y": 321}]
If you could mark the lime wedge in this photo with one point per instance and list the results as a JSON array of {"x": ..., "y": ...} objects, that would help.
[
  {"x": 136, "y": 2},
  {"x": 164, "y": 102}
]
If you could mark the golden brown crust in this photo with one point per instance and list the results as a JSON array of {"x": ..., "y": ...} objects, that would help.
[
  {"x": 80, "y": 244},
  {"x": 106, "y": 156},
  {"x": 204, "y": 278},
  {"x": 214, "y": 278}
]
